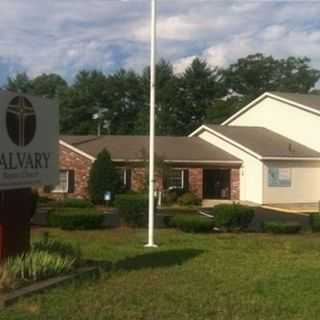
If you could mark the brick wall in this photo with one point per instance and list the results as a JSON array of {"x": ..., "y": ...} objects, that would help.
[
  {"x": 235, "y": 184},
  {"x": 138, "y": 180},
  {"x": 196, "y": 181},
  {"x": 70, "y": 160}
]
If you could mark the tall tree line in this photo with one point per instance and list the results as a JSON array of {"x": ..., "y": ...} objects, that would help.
[{"x": 184, "y": 101}]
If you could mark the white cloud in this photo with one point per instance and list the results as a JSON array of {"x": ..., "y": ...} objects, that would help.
[{"x": 67, "y": 35}]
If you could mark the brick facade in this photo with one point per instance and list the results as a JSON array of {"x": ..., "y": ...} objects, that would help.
[
  {"x": 196, "y": 181},
  {"x": 138, "y": 183},
  {"x": 80, "y": 165},
  {"x": 70, "y": 160},
  {"x": 235, "y": 183}
]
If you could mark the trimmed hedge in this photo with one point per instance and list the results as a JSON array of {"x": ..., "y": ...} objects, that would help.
[
  {"x": 233, "y": 216},
  {"x": 193, "y": 224},
  {"x": 75, "y": 219},
  {"x": 72, "y": 203},
  {"x": 188, "y": 199},
  {"x": 315, "y": 222},
  {"x": 133, "y": 208},
  {"x": 281, "y": 227}
]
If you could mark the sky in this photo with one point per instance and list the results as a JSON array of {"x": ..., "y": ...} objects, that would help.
[{"x": 65, "y": 36}]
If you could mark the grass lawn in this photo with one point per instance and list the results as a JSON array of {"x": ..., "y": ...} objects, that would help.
[{"x": 217, "y": 276}]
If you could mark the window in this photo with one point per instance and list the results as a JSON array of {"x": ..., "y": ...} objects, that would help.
[
  {"x": 279, "y": 177},
  {"x": 175, "y": 179},
  {"x": 125, "y": 177},
  {"x": 63, "y": 184}
]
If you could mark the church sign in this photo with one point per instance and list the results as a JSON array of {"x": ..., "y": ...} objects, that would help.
[{"x": 29, "y": 133}]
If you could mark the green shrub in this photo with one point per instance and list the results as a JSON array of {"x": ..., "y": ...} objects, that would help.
[
  {"x": 75, "y": 219},
  {"x": 103, "y": 177},
  {"x": 281, "y": 227},
  {"x": 170, "y": 196},
  {"x": 188, "y": 199},
  {"x": 47, "y": 258},
  {"x": 194, "y": 224},
  {"x": 315, "y": 222},
  {"x": 133, "y": 208},
  {"x": 37, "y": 265},
  {"x": 72, "y": 203},
  {"x": 57, "y": 247},
  {"x": 233, "y": 216}
]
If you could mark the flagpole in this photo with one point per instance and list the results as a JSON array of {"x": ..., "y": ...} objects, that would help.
[{"x": 152, "y": 124}]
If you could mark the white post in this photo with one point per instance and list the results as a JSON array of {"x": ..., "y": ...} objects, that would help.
[{"x": 152, "y": 124}]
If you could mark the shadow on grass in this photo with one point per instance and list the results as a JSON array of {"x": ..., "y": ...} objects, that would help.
[{"x": 160, "y": 259}]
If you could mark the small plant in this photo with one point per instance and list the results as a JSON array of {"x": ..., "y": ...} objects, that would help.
[
  {"x": 57, "y": 247},
  {"x": 282, "y": 227},
  {"x": 47, "y": 258},
  {"x": 233, "y": 216},
  {"x": 133, "y": 208},
  {"x": 75, "y": 219},
  {"x": 315, "y": 222},
  {"x": 193, "y": 224},
  {"x": 38, "y": 265},
  {"x": 189, "y": 199},
  {"x": 170, "y": 196}
]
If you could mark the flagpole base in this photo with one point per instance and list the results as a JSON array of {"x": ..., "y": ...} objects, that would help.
[{"x": 150, "y": 245}]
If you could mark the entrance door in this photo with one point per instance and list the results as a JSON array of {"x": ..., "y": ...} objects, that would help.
[{"x": 216, "y": 184}]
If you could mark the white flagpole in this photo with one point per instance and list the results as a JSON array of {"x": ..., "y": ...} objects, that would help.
[{"x": 152, "y": 124}]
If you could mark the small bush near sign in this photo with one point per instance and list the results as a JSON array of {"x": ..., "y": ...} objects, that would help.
[
  {"x": 193, "y": 224},
  {"x": 233, "y": 216},
  {"x": 75, "y": 219},
  {"x": 188, "y": 199},
  {"x": 315, "y": 222},
  {"x": 47, "y": 258},
  {"x": 133, "y": 209},
  {"x": 282, "y": 227}
]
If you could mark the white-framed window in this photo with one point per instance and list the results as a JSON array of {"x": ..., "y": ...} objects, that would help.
[
  {"x": 175, "y": 179},
  {"x": 63, "y": 184},
  {"x": 279, "y": 177},
  {"x": 125, "y": 177}
]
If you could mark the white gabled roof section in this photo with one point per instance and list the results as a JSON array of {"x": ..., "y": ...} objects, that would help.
[
  {"x": 272, "y": 96},
  {"x": 226, "y": 139},
  {"x": 245, "y": 149},
  {"x": 71, "y": 147}
]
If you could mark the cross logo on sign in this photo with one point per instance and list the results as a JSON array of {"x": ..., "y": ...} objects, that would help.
[{"x": 21, "y": 121}]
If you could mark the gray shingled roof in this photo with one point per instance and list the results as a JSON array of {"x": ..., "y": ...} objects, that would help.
[
  {"x": 264, "y": 142},
  {"x": 308, "y": 100},
  {"x": 130, "y": 148}
]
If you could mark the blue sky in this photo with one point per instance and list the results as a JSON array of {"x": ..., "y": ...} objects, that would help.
[{"x": 64, "y": 36}]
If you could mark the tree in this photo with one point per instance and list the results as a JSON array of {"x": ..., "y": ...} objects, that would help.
[
  {"x": 79, "y": 102},
  {"x": 126, "y": 95},
  {"x": 103, "y": 177},
  {"x": 19, "y": 83},
  {"x": 166, "y": 101},
  {"x": 48, "y": 85},
  {"x": 201, "y": 85},
  {"x": 255, "y": 74}
]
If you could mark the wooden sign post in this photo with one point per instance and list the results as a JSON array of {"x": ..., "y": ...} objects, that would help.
[{"x": 28, "y": 158}]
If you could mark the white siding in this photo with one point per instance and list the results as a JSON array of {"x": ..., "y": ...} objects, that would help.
[
  {"x": 251, "y": 173},
  {"x": 305, "y": 183},
  {"x": 287, "y": 120}
]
